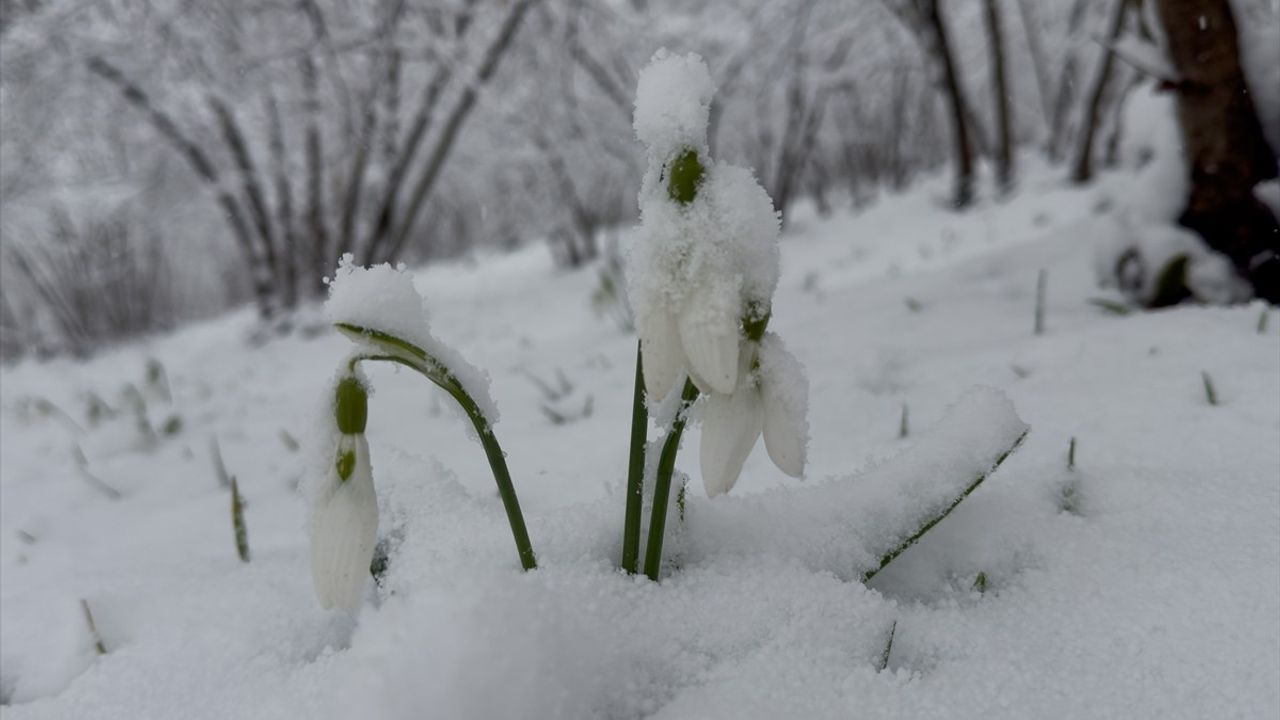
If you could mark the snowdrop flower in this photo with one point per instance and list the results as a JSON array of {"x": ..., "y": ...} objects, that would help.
[
  {"x": 701, "y": 280},
  {"x": 344, "y": 507},
  {"x": 770, "y": 399}
]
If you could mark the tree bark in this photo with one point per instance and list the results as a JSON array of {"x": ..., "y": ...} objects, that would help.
[{"x": 1223, "y": 141}]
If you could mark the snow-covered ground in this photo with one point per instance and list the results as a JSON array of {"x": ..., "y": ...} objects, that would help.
[{"x": 1154, "y": 593}]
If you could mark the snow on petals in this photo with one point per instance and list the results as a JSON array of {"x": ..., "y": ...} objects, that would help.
[{"x": 706, "y": 260}]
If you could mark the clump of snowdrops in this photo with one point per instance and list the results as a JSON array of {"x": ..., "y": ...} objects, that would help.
[{"x": 701, "y": 276}]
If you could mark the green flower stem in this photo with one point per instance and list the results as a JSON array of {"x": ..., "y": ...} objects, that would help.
[
  {"x": 414, "y": 357},
  {"x": 635, "y": 473},
  {"x": 662, "y": 483}
]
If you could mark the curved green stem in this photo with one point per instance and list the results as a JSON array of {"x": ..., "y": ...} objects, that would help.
[
  {"x": 662, "y": 483},
  {"x": 635, "y": 473},
  {"x": 415, "y": 358}
]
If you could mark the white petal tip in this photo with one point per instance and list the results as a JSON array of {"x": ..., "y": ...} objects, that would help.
[
  {"x": 713, "y": 358},
  {"x": 730, "y": 426},
  {"x": 662, "y": 358}
]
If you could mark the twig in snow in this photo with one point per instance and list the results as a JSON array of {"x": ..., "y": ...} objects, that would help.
[
  {"x": 289, "y": 441},
  {"x": 1071, "y": 454},
  {"x": 93, "y": 628},
  {"x": 903, "y": 429},
  {"x": 1042, "y": 279},
  {"x": 237, "y": 522},
  {"x": 158, "y": 379},
  {"x": 95, "y": 482},
  {"x": 1209, "y": 393},
  {"x": 888, "y": 647}
]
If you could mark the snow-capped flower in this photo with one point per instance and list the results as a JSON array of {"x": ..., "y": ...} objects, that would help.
[
  {"x": 770, "y": 398},
  {"x": 344, "y": 508},
  {"x": 701, "y": 281}
]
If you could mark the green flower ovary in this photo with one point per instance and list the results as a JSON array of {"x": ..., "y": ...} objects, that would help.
[
  {"x": 351, "y": 408},
  {"x": 683, "y": 176}
]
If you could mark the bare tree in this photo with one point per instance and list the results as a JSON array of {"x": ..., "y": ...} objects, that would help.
[{"x": 342, "y": 204}]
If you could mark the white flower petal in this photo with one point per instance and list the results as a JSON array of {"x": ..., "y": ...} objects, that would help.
[
  {"x": 730, "y": 426},
  {"x": 709, "y": 333},
  {"x": 785, "y": 437},
  {"x": 784, "y": 390},
  {"x": 344, "y": 530},
  {"x": 663, "y": 356}
]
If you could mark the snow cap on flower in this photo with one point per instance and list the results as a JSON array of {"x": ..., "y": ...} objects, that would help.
[
  {"x": 673, "y": 104},
  {"x": 343, "y": 522}
]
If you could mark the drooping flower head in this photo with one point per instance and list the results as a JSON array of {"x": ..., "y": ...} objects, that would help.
[
  {"x": 703, "y": 272},
  {"x": 344, "y": 506}
]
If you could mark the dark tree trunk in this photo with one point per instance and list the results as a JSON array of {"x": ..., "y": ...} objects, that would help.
[
  {"x": 1004, "y": 115},
  {"x": 955, "y": 96},
  {"x": 1083, "y": 170},
  {"x": 1223, "y": 141}
]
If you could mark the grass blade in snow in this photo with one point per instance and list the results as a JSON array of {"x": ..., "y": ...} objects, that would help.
[
  {"x": 854, "y": 526},
  {"x": 237, "y": 522}
]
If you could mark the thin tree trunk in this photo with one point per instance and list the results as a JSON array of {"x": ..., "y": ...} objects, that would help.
[
  {"x": 1038, "y": 62},
  {"x": 1004, "y": 113},
  {"x": 1065, "y": 96},
  {"x": 963, "y": 194},
  {"x": 1082, "y": 172},
  {"x": 284, "y": 204},
  {"x": 320, "y": 256},
  {"x": 1223, "y": 142},
  {"x": 242, "y": 156}
]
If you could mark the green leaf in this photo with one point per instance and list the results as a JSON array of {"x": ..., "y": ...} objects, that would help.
[
  {"x": 1110, "y": 306},
  {"x": 930, "y": 522}
]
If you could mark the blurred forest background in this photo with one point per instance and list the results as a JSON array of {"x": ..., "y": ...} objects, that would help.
[{"x": 163, "y": 160}]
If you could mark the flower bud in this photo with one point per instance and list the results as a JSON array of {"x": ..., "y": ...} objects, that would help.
[{"x": 344, "y": 527}]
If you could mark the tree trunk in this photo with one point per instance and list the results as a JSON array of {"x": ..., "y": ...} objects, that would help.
[
  {"x": 1004, "y": 115},
  {"x": 955, "y": 96},
  {"x": 1083, "y": 170},
  {"x": 1223, "y": 142}
]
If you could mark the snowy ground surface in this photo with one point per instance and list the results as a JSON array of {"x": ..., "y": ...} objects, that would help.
[{"x": 1154, "y": 595}]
